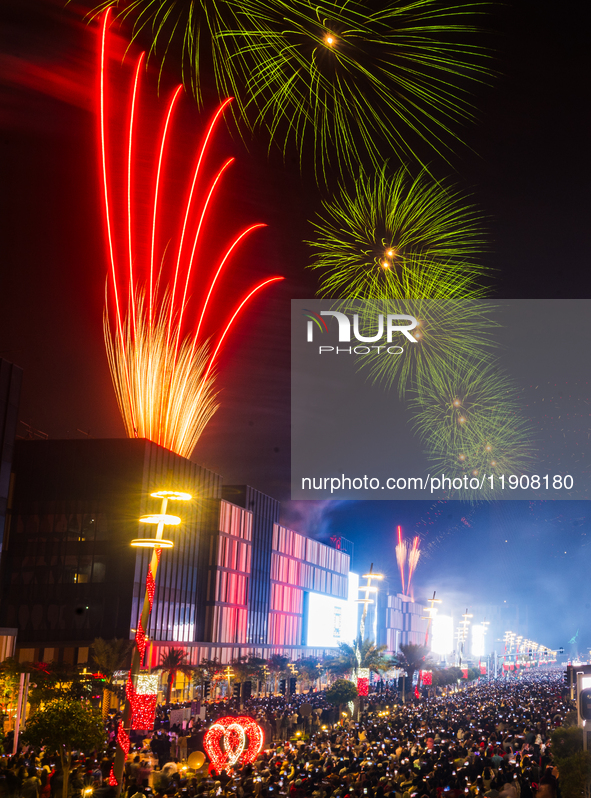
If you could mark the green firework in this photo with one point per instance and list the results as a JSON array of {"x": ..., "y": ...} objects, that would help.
[
  {"x": 350, "y": 80},
  {"x": 471, "y": 423},
  {"x": 393, "y": 236},
  {"x": 341, "y": 79},
  {"x": 445, "y": 325}
]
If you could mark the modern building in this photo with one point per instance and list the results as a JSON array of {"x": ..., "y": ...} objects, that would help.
[
  {"x": 236, "y": 582},
  {"x": 404, "y": 622}
]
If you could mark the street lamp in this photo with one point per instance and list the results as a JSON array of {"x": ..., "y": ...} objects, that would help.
[{"x": 156, "y": 543}]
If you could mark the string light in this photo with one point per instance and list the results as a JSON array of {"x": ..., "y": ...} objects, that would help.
[
  {"x": 150, "y": 587},
  {"x": 232, "y": 740},
  {"x": 143, "y": 704}
]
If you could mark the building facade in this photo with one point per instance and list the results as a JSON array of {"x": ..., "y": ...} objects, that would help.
[{"x": 235, "y": 583}]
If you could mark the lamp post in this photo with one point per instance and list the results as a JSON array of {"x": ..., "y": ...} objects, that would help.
[
  {"x": 156, "y": 543},
  {"x": 431, "y": 611}
]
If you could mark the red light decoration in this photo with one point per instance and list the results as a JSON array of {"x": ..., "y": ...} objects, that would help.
[
  {"x": 112, "y": 781},
  {"x": 363, "y": 685},
  {"x": 143, "y": 707},
  {"x": 426, "y": 678},
  {"x": 123, "y": 740},
  {"x": 140, "y": 639},
  {"x": 151, "y": 586},
  {"x": 231, "y": 741}
]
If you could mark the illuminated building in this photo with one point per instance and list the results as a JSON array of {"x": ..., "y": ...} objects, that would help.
[
  {"x": 404, "y": 622},
  {"x": 236, "y": 582}
]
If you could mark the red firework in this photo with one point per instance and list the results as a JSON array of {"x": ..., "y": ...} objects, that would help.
[{"x": 163, "y": 368}]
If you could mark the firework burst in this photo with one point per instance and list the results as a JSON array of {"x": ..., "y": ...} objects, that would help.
[
  {"x": 392, "y": 236},
  {"x": 401, "y": 555},
  {"x": 346, "y": 79},
  {"x": 471, "y": 422},
  {"x": 163, "y": 367},
  {"x": 413, "y": 559}
]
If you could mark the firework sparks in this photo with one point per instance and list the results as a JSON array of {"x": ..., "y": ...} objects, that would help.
[
  {"x": 163, "y": 369},
  {"x": 472, "y": 423},
  {"x": 412, "y": 242},
  {"x": 370, "y": 239},
  {"x": 413, "y": 559},
  {"x": 348, "y": 78},
  {"x": 401, "y": 555}
]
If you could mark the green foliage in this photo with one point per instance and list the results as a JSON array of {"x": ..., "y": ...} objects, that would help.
[
  {"x": 51, "y": 681},
  {"x": 111, "y": 655},
  {"x": 277, "y": 664},
  {"x": 346, "y": 661},
  {"x": 574, "y": 764},
  {"x": 575, "y": 774},
  {"x": 566, "y": 741},
  {"x": 345, "y": 79},
  {"x": 308, "y": 670},
  {"x": 341, "y": 692},
  {"x": 410, "y": 658},
  {"x": 64, "y": 726},
  {"x": 10, "y": 671}
]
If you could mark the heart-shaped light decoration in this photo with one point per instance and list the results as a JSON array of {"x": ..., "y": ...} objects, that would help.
[{"x": 232, "y": 740}]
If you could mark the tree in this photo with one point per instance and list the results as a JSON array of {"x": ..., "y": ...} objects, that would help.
[
  {"x": 53, "y": 680},
  {"x": 340, "y": 693},
  {"x": 110, "y": 656},
  {"x": 574, "y": 764},
  {"x": 172, "y": 662},
  {"x": 372, "y": 657},
  {"x": 278, "y": 667},
  {"x": 410, "y": 658},
  {"x": 65, "y": 726},
  {"x": 308, "y": 670}
]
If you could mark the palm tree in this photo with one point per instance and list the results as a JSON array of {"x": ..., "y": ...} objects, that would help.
[
  {"x": 372, "y": 657},
  {"x": 172, "y": 662},
  {"x": 110, "y": 656},
  {"x": 410, "y": 658}
]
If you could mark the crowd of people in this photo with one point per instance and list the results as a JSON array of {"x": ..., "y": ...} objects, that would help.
[{"x": 490, "y": 739}]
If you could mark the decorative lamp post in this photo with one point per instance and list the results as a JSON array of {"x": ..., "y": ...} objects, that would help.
[
  {"x": 363, "y": 673},
  {"x": 134, "y": 703},
  {"x": 431, "y": 611}
]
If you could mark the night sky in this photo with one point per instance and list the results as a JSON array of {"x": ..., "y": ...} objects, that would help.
[{"x": 525, "y": 162}]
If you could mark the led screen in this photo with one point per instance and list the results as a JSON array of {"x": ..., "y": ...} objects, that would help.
[{"x": 332, "y": 620}]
